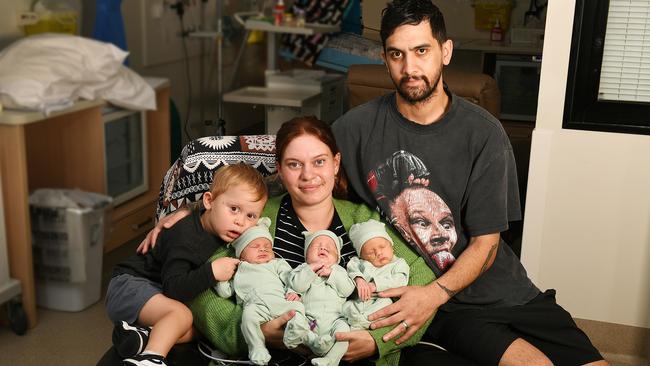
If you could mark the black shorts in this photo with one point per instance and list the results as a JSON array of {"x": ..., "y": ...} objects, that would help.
[{"x": 484, "y": 335}]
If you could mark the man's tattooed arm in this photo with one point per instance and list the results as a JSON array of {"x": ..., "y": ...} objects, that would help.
[
  {"x": 486, "y": 264},
  {"x": 451, "y": 293}
]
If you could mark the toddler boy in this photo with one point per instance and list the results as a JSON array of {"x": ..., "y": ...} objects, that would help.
[{"x": 149, "y": 290}]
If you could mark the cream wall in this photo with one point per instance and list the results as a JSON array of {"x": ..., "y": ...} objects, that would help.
[
  {"x": 459, "y": 17},
  {"x": 587, "y": 224},
  {"x": 9, "y": 9}
]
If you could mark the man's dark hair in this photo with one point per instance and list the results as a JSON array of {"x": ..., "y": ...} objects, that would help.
[{"x": 412, "y": 12}]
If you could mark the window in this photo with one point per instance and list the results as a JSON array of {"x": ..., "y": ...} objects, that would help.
[{"x": 608, "y": 85}]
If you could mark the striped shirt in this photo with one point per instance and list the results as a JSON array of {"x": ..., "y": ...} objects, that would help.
[{"x": 290, "y": 243}]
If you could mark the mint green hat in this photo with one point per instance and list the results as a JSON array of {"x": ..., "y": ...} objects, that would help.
[
  {"x": 261, "y": 230},
  {"x": 362, "y": 232},
  {"x": 309, "y": 237}
]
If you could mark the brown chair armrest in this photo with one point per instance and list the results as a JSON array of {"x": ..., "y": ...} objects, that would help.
[{"x": 366, "y": 82}]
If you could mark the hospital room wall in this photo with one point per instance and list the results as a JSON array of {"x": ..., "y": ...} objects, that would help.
[
  {"x": 9, "y": 9},
  {"x": 157, "y": 49}
]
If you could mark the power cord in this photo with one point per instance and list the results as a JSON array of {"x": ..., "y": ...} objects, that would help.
[
  {"x": 431, "y": 345},
  {"x": 222, "y": 359},
  {"x": 179, "y": 7}
]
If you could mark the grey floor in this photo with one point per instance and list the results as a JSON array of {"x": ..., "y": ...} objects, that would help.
[{"x": 65, "y": 338}]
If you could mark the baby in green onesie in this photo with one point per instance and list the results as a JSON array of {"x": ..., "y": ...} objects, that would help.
[
  {"x": 260, "y": 287},
  {"x": 324, "y": 286},
  {"x": 376, "y": 269}
]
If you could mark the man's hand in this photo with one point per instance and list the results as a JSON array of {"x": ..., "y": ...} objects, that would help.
[
  {"x": 364, "y": 289},
  {"x": 224, "y": 268},
  {"x": 415, "y": 306},
  {"x": 273, "y": 330},
  {"x": 361, "y": 345},
  {"x": 292, "y": 296},
  {"x": 166, "y": 222}
]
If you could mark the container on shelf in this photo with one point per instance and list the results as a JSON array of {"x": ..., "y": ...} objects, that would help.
[
  {"x": 55, "y": 16},
  {"x": 487, "y": 12}
]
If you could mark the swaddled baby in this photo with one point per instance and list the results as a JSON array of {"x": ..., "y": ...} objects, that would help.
[
  {"x": 375, "y": 269},
  {"x": 324, "y": 286},
  {"x": 260, "y": 287}
]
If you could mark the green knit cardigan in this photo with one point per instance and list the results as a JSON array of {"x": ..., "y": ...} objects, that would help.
[{"x": 219, "y": 319}]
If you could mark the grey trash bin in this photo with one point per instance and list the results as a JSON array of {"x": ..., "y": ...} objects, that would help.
[{"x": 68, "y": 242}]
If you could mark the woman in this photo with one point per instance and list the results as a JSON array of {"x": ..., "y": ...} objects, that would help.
[{"x": 308, "y": 163}]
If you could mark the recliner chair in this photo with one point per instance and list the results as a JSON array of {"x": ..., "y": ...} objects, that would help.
[{"x": 366, "y": 82}]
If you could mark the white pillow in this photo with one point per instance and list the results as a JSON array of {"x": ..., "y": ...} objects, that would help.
[
  {"x": 74, "y": 57},
  {"x": 126, "y": 89},
  {"x": 50, "y": 71}
]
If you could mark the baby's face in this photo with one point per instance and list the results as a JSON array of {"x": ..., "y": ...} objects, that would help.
[
  {"x": 323, "y": 250},
  {"x": 377, "y": 251},
  {"x": 258, "y": 251}
]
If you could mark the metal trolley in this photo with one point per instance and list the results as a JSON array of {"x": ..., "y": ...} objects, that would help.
[{"x": 10, "y": 288}]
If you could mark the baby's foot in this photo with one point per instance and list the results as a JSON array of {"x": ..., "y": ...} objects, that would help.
[
  {"x": 294, "y": 337},
  {"x": 259, "y": 356},
  {"x": 321, "y": 345},
  {"x": 320, "y": 361}
]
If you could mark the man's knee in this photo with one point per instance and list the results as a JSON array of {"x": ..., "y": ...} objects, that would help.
[
  {"x": 598, "y": 363},
  {"x": 521, "y": 352}
]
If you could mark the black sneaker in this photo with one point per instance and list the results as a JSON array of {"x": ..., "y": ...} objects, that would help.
[
  {"x": 145, "y": 360},
  {"x": 129, "y": 340}
]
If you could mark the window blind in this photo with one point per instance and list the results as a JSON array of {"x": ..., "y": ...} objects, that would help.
[{"x": 625, "y": 71}]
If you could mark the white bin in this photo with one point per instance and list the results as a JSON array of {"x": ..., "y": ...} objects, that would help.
[{"x": 68, "y": 241}]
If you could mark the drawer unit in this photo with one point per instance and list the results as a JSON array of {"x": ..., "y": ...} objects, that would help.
[{"x": 126, "y": 228}]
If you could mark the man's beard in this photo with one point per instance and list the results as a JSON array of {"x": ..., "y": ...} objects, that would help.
[{"x": 417, "y": 95}]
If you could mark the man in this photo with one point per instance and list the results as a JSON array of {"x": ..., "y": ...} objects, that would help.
[{"x": 460, "y": 154}]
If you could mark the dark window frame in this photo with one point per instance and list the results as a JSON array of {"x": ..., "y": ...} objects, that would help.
[{"x": 582, "y": 109}]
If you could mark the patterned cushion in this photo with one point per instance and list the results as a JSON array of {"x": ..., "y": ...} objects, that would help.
[{"x": 191, "y": 174}]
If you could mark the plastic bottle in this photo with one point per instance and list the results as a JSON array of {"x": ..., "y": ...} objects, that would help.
[
  {"x": 278, "y": 12},
  {"x": 496, "y": 35},
  {"x": 59, "y": 16},
  {"x": 300, "y": 18}
]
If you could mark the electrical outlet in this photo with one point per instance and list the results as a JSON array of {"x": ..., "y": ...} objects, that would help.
[
  {"x": 157, "y": 9},
  {"x": 27, "y": 18}
]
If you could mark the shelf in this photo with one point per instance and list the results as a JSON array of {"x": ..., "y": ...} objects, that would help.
[
  {"x": 487, "y": 46},
  {"x": 308, "y": 29},
  {"x": 271, "y": 96}
]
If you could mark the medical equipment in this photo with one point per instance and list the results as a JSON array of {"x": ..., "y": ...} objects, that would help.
[
  {"x": 221, "y": 358},
  {"x": 10, "y": 288}
]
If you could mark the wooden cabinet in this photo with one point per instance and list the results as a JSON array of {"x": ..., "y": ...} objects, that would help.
[
  {"x": 136, "y": 216},
  {"x": 66, "y": 150}
]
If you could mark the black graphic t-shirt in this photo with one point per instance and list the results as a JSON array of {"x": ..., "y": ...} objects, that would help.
[{"x": 440, "y": 185}]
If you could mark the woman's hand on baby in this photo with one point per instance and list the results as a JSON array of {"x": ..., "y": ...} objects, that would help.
[
  {"x": 364, "y": 289},
  {"x": 166, "y": 222},
  {"x": 415, "y": 306},
  {"x": 292, "y": 296},
  {"x": 224, "y": 268},
  {"x": 361, "y": 344}
]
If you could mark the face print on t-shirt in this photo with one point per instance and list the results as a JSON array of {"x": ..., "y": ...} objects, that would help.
[{"x": 400, "y": 186}]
